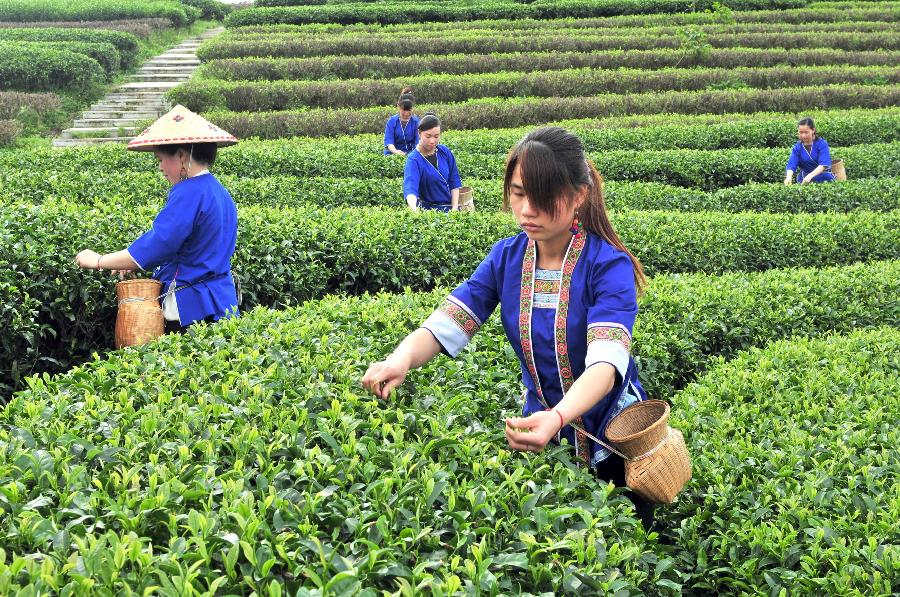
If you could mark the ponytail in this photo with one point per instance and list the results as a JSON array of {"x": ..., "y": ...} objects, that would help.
[{"x": 595, "y": 219}]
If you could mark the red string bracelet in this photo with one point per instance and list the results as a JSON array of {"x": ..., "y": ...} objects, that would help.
[{"x": 561, "y": 422}]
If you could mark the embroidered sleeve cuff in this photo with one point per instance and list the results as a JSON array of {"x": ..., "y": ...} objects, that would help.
[
  {"x": 608, "y": 343},
  {"x": 453, "y": 325}
]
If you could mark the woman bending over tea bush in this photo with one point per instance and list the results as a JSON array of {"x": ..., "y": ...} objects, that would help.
[
  {"x": 192, "y": 240},
  {"x": 567, "y": 289}
]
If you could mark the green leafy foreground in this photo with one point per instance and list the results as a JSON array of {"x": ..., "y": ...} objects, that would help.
[
  {"x": 244, "y": 457},
  {"x": 795, "y": 486}
]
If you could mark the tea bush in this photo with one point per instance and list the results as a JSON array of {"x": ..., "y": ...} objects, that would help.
[
  {"x": 490, "y": 9},
  {"x": 291, "y": 255},
  {"x": 708, "y": 170},
  {"x": 100, "y": 10},
  {"x": 517, "y": 112},
  {"x": 794, "y": 489},
  {"x": 35, "y": 68},
  {"x": 383, "y": 67},
  {"x": 288, "y": 46},
  {"x": 263, "y": 96},
  {"x": 127, "y": 44},
  {"x": 136, "y": 188}
]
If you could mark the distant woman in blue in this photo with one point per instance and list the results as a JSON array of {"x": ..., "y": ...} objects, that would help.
[
  {"x": 810, "y": 157},
  {"x": 193, "y": 237},
  {"x": 567, "y": 289},
  {"x": 431, "y": 178},
  {"x": 401, "y": 133}
]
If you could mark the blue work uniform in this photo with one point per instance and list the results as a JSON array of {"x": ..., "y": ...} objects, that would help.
[
  {"x": 559, "y": 323},
  {"x": 404, "y": 137},
  {"x": 432, "y": 185},
  {"x": 191, "y": 243},
  {"x": 803, "y": 161}
]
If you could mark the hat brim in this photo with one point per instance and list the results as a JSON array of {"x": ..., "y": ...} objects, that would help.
[
  {"x": 152, "y": 144},
  {"x": 180, "y": 126}
]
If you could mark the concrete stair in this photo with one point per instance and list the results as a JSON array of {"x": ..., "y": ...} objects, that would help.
[{"x": 117, "y": 116}]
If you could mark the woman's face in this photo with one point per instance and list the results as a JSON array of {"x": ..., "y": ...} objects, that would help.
[
  {"x": 404, "y": 114},
  {"x": 170, "y": 165},
  {"x": 805, "y": 134},
  {"x": 429, "y": 139},
  {"x": 538, "y": 225}
]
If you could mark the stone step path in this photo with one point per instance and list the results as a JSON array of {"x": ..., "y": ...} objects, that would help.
[{"x": 115, "y": 118}]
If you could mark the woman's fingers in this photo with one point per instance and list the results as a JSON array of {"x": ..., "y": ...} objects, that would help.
[
  {"x": 521, "y": 440},
  {"x": 388, "y": 386},
  {"x": 380, "y": 379},
  {"x": 369, "y": 379}
]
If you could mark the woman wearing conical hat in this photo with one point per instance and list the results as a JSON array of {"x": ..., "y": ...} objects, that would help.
[{"x": 190, "y": 244}]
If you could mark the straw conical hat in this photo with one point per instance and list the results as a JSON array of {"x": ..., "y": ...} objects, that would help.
[{"x": 178, "y": 126}]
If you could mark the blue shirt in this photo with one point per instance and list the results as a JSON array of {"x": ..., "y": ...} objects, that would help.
[
  {"x": 803, "y": 162},
  {"x": 559, "y": 323},
  {"x": 404, "y": 137},
  {"x": 431, "y": 185},
  {"x": 192, "y": 240}
]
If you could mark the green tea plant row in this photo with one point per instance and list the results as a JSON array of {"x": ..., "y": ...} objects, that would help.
[
  {"x": 210, "y": 9},
  {"x": 266, "y": 96},
  {"x": 101, "y": 10},
  {"x": 560, "y": 28},
  {"x": 490, "y": 9},
  {"x": 140, "y": 28},
  {"x": 127, "y": 44},
  {"x": 27, "y": 67},
  {"x": 793, "y": 489},
  {"x": 139, "y": 188},
  {"x": 708, "y": 170},
  {"x": 374, "y": 67},
  {"x": 105, "y": 54},
  {"x": 291, "y": 46},
  {"x": 518, "y": 112},
  {"x": 650, "y": 132},
  {"x": 299, "y": 480},
  {"x": 287, "y": 256},
  {"x": 881, "y": 11}
]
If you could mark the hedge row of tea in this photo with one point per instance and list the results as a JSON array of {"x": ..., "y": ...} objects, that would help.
[
  {"x": 204, "y": 96},
  {"x": 517, "y": 112},
  {"x": 287, "y": 256},
  {"x": 793, "y": 489},
  {"x": 397, "y": 12},
  {"x": 703, "y": 169},
  {"x": 289, "y": 45},
  {"x": 384, "y": 67},
  {"x": 180, "y": 14},
  {"x": 299, "y": 480},
  {"x": 817, "y": 12},
  {"x": 90, "y": 186}
]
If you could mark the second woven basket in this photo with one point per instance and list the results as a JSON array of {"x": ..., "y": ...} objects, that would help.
[{"x": 140, "y": 318}]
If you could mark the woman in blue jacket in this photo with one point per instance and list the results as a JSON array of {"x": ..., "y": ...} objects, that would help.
[
  {"x": 192, "y": 239},
  {"x": 431, "y": 179},
  {"x": 401, "y": 133},
  {"x": 810, "y": 157}
]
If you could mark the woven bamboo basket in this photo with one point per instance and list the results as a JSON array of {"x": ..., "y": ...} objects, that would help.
[
  {"x": 837, "y": 168},
  {"x": 662, "y": 464},
  {"x": 659, "y": 477},
  {"x": 466, "y": 201},
  {"x": 140, "y": 318}
]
